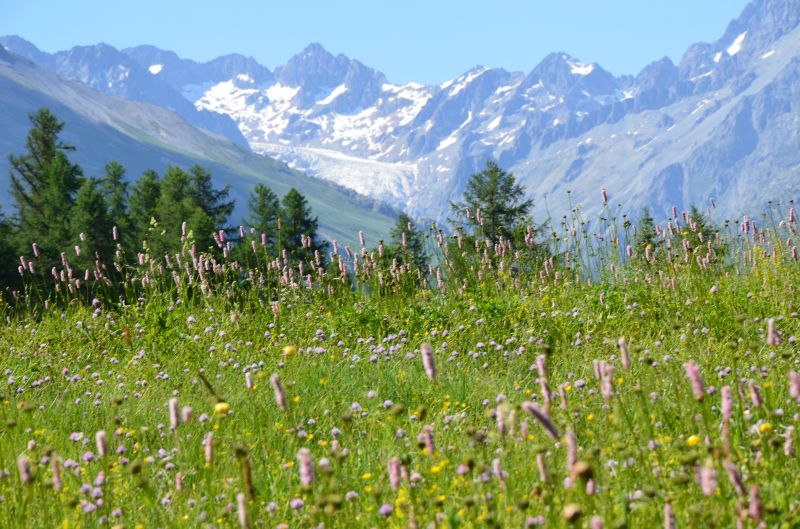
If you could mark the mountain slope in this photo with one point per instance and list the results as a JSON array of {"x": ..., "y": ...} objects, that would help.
[
  {"x": 720, "y": 124},
  {"x": 143, "y": 136}
]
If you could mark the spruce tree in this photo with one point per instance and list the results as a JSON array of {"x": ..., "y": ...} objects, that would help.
[
  {"x": 414, "y": 249},
  {"x": 264, "y": 214},
  {"x": 645, "y": 232},
  {"x": 211, "y": 200},
  {"x": 142, "y": 206},
  {"x": 92, "y": 226},
  {"x": 9, "y": 276},
  {"x": 43, "y": 186},
  {"x": 496, "y": 202},
  {"x": 296, "y": 222},
  {"x": 116, "y": 196}
]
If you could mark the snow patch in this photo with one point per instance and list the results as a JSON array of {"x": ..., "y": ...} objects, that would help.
[
  {"x": 336, "y": 92},
  {"x": 494, "y": 124},
  {"x": 718, "y": 56},
  {"x": 278, "y": 92},
  {"x": 466, "y": 79},
  {"x": 579, "y": 68},
  {"x": 769, "y": 54},
  {"x": 736, "y": 47},
  {"x": 155, "y": 68},
  {"x": 244, "y": 78}
]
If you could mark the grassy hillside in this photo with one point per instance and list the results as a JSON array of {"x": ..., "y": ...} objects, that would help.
[
  {"x": 141, "y": 136},
  {"x": 602, "y": 387}
]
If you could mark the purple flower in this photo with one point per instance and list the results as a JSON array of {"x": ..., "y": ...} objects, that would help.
[{"x": 385, "y": 510}]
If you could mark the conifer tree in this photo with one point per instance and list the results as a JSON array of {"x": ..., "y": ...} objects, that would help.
[
  {"x": 43, "y": 186},
  {"x": 264, "y": 214},
  {"x": 414, "y": 247},
  {"x": 645, "y": 232},
  {"x": 297, "y": 222},
  {"x": 496, "y": 203},
  {"x": 142, "y": 205},
  {"x": 92, "y": 226}
]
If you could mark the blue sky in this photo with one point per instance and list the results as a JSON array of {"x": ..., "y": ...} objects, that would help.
[{"x": 422, "y": 40}]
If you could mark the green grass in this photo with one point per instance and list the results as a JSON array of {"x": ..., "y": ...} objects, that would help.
[{"x": 642, "y": 448}]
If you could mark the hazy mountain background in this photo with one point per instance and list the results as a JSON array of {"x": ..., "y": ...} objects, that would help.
[
  {"x": 721, "y": 124},
  {"x": 143, "y": 136}
]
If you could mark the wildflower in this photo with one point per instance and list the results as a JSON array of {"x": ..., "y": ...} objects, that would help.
[
  {"x": 280, "y": 394},
  {"x": 208, "y": 446},
  {"x": 305, "y": 467},
  {"x": 394, "y": 468},
  {"x": 693, "y": 374},
  {"x": 296, "y": 504},
  {"x": 427, "y": 360},
  {"x": 174, "y": 418},
  {"x": 773, "y": 338},
  {"x": 222, "y": 408},
  {"x": 794, "y": 385},
  {"x": 755, "y": 508},
  {"x": 765, "y": 427},
  {"x": 543, "y": 419},
  {"x": 385, "y": 510},
  {"x": 289, "y": 350},
  {"x": 24, "y": 468},
  {"x": 788, "y": 442},
  {"x": 55, "y": 467},
  {"x": 101, "y": 442},
  {"x": 596, "y": 523},
  {"x": 623, "y": 349},
  {"x": 708, "y": 478},
  {"x": 755, "y": 394},
  {"x": 572, "y": 449},
  {"x": 541, "y": 467},
  {"x": 430, "y": 445},
  {"x": 693, "y": 440},
  {"x": 734, "y": 477},
  {"x": 669, "y": 517}
]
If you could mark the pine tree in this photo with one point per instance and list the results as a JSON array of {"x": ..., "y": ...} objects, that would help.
[
  {"x": 116, "y": 196},
  {"x": 414, "y": 248},
  {"x": 496, "y": 202},
  {"x": 645, "y": 232},
  {"x": 142, "y": 206},
  {"x": 296, "y": 222},
  {"x": 265, "y": 214},
  {"x": 212, "y": 201},
  {"x": 92, "y": 225},
  {"x": 43, "y": 187},
  {"x": 188, "y": 197},
  {"x": 8, "y": 271}
]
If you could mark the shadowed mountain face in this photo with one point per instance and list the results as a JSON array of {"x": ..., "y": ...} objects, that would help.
[
  {"x": 720, "y": 124},
  {"x": 144, "y": 136}
]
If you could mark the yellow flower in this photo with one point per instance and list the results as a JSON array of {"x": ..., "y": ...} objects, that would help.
[
  {"x": 693, "y": 440},
  {"x": 765, "y": 427},
  {"x": 366, "y": 475},
  {"x": 222, "y": 408},
  {"x": 289, "y": 350}
]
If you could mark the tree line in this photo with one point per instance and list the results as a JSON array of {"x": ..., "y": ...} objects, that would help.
[
  {"x": 60, "y": 214},
  {"x": 58, "y": 210}
]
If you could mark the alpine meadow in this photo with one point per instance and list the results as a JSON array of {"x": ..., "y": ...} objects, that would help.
[{"x": 236, "y": 297}]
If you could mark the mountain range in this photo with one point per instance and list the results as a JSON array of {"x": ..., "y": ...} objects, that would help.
[
  {"x": 145, "y": 136},
  {"x": 721, "y": 124}
]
